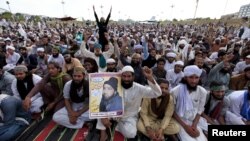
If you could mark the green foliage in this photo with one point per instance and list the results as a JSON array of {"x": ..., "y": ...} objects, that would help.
[
  {"x": 6, "y": 15},
  {"x": 175, "y": 20},
  {"x": 37, "y": 19},
  {"x": 19, "y": 17}
]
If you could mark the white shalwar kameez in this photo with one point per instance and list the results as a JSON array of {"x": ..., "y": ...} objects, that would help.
[
  {"x": 61, "y": 116},
  {"x": 132, "y": 102},
  {"x": 233, "y": 116},
  {"x": 198, "y": 99},
  {"x": 36, "y": 100}
]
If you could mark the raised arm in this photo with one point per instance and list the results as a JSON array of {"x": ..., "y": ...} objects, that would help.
[
  {"x": 107, "y": 19},
  {"x": 96, "y": 17}
]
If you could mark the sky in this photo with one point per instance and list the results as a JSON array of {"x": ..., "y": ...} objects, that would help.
[{"x": 137, "y": 10}]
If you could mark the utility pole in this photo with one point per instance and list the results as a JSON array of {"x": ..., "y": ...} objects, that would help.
[
  {"x": 8, "y": 3},
  {"x": 196, "y": 7},
  {"x": 63, "y": 8}
]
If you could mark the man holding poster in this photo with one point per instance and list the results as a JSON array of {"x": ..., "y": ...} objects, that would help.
[{"x": 132, "y": 95}]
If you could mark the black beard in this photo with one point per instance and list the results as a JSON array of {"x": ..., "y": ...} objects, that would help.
[
  {"x": 41, "y": 57},
  {"x": 133, "y": 64},
  {"x": 55, "y": 55},
  {"x": 191, "y": 88},
  {"x": 224, "y": 71},
  {"x": 111, "y": 70},
  {"x": 77, "y": 85},
  {"x": 126, "y": 86}
]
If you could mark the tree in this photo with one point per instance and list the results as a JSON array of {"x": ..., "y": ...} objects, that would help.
[
  {"x": 175, "y": 20},
  {"x": 37, "y": 19},
  {"x": 19, "y": 17},
  {"x": 6, "y": 15}
]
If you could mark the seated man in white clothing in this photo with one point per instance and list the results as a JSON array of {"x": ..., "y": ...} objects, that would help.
[
  {"x": 189, "y": 100},
  {"x": 239, "y": 108},
  {"x": 132, "y": 94},
  {"x": 76, "y": 97},
  {"x": 23, "y": 84}
]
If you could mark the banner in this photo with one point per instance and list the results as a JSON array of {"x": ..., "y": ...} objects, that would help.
[{"x": 106, "y": 95}]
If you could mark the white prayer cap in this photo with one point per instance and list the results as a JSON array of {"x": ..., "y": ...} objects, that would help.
[
  {"x": 110, "y": 61},
  {"x": 200, "y": 42},
  {"x": 7, "y": 39},
  {"x": 182, "y": 41},
  {"x": 179, "y": 63},
  {"x": 10, "y": 47},
  {"x": 165, "y": 36},
  {"x": 168, "y": 44},
  {"x": 127, "y": 69},
  {"x": 138, "y": 46},
  {"x": 248, "y": 56},
  {"x": 91, "y": 42},
  {"x": 192, "y": 70},
  {"x": 159, "y": 37},
  {"x": 182, "y": 37},
  {"x": 171, "y": 54},
  {"x": 171, "y": 39},
  {"x": 40, "y": 50}
]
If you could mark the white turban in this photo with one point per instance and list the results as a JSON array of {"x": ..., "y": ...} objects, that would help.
[
  {"x": 192, "y": 70},
  {"x": 138, "y": 46},
  {"x": 171, "y": 54},
  {"x": 168, "y": 44},
  {"x": 40, "y": 49},
  {"x": 7, "y": 39},
  {"x": 91, "y": 42},
  {"x": 127, "y": 69},
  {"x": 183, "y": 42},
  {"x": 110, "y": 60},
  {"x": 10, "y": 47},
  {"x": 179, "y": 63}
]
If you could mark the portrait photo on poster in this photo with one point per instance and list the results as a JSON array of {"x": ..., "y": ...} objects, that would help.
[{"x": 106, "y": 95}]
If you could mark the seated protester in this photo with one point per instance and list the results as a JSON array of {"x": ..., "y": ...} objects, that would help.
[
  {"x": 90, "y": 65},
  {"x": 240, "y": 66},
  {"x": 220, "y": 72},
  {"x": 28, "y": 60},
  {"x": 11, "y": 58},
  {"x": 111, "y": 65},
  {"x": 111, "y": 100},
  {"x": 57, "y": 57},
  {"x": 50, "y": 87},
  {"x": 76, "y": 98},
  {"x": 99, "y": 56},
  {"x": 216, "y": 104},
  {"x": 42, "y": 63},
  {"x": 23, "y": 84},
  {"x": 156, "y": 115},
  {"x": 132, "y": 94},
  {"x": 159, "y": 71},
  {"x": 200, "y": 63},
  {"x": 13, "y": 118},
  {"x": 240, "y": 81},
  {"x": 174, "y": 76},
  {"x": 5, "y": 81},
  {"x": 70, "y": 63},
  {"x": 149, "y": 58},
  {"x": 239, "y": 110},
  {"x": 170, "y": 61},
  {"x": 189, "y": 99}
]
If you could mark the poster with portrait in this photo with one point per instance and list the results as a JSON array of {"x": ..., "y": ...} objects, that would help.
[{"x": 106, "y": 95}]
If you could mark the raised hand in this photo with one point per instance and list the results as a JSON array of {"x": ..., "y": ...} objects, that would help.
[
  {"x": 110, "y": 9},
  {"x": 93, "y": 7}
]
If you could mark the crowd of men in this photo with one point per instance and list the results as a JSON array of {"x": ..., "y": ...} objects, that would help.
[{"x": 177, "y": 79}]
